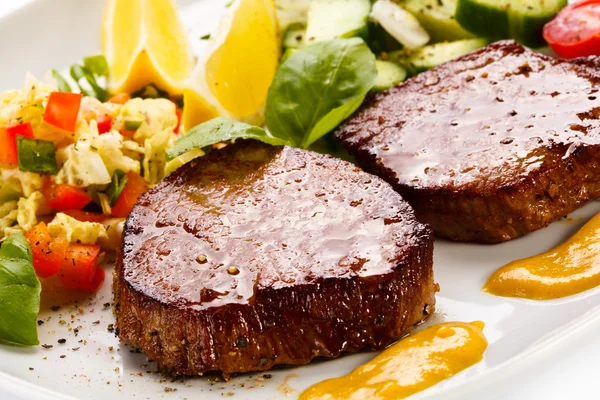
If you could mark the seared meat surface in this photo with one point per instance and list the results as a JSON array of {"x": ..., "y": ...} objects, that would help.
[
  {"x": 255, "y": 256},
  {"x": 490, "y": 146}
]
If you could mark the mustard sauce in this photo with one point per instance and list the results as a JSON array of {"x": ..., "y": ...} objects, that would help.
[
  {"x": 411, "y": 365},
  {"x": 569, "y": 268}
]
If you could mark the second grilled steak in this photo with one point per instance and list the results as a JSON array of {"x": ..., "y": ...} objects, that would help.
[
  {"x": 490, "y": 146},
  {"x": 255, "y": 256}
]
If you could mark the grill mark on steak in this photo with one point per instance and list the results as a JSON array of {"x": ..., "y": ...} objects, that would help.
[
  {"x": 255, "y": 256},
  {"x": 491, "y": 158}
]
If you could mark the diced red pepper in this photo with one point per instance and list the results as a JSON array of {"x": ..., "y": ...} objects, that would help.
[
  {"x": 23, "y": 129},
  {"x": 178, "y": 112},
  {"x": 120, "y": 98},
  {"x": 85, "y": 216},
  {"x": 104, "y": 123},
  {"x": 78, "y": 268},
  {"x": 65, "y": 197},
  {"x": 62, "y": 109},
  {"x": 97, "y": 281},
  {"x": 8, "y": 142},
  {"x": 48, "y": 252},
  {"x": 133, "y": 190},
  {"x": 127, "y": 133}
]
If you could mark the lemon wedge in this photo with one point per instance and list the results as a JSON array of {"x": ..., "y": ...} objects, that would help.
[
  {"x": 233, "y": 75},
  {"x": 144, "y": 42}
]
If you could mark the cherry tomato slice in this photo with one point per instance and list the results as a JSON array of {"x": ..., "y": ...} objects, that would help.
[{"x": 575, "y": 31}]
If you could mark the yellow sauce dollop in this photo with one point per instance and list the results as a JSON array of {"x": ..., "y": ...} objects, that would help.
[
  {"x": 413, "y": 364},
  {"x": 569, "y": 268}
]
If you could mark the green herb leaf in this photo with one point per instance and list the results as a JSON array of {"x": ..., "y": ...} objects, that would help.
[
  {"x": 117, "y": 184},
  {"x": 93, "y": 67},
  {"x": 317, "y": 87},
  {"x": 63, "y": 85},
  {"x": 220, "y": 130},
  {"x": 19, "y": 293}
]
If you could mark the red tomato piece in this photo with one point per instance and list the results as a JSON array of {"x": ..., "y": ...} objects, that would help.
[
  {"x": 62, "y": 109},
  {"x": 8, "y": 142},
  {"x": 120, "y": 98},
  {"x": 85, "y": 216},
  {"x": 575, "y": 31},
  {"x": 78, "y": 268},
  {"x": 48, "y": 252},
  {"x": 133, "y": 190},
  {"x": 65, "y": 197},
  {"x": 104, "y": 123}
]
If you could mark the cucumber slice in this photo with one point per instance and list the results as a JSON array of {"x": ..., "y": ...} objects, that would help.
[
  {"x": 290, "y": 12},
  {"x": 329, "y": 19},
  {"x": 399, "y": 23},
  {"x": 522, "y": 20},
  {"x": 380, "y": 40},
  {"x": 437, "y": 17},
  {"x": 436, "y": 54},
  {"x": 389, "y": 74},
  {"x": 293, "y": 37}
]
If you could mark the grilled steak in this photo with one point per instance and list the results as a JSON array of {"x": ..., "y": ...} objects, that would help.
[
  {"x": 487, "y": 147},
  {"x": 255, "y": 255}
]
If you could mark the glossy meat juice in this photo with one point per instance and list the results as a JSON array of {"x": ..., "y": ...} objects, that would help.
[{"x": 257, "y": 255}]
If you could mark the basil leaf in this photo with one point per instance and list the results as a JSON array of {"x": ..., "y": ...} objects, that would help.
[
  {"x": 220, "y": 130},
  {"x": 61, "y": 83},
  {"x": 96, "y": 65},
  {"x": 317, "y": 87},
  {"x": 19, "y": 293},
  {"x": 117, "y": 184}
]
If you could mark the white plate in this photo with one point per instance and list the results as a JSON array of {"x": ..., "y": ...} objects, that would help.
[{"x": 523, "y": 359}]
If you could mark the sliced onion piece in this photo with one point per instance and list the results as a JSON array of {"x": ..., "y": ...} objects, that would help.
[{"x": 400, "y": 24}]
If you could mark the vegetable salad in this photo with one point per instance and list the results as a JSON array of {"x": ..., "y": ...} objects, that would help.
[{"x": 71, "y": 169}]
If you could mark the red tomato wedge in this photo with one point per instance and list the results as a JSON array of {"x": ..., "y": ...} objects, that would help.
[
  {"x": 62, "y": 109},
  {"x": 48, "y": 252},
  {"x": 575, "y": 31},
  {"x": 133, "y": 190},
  {"x": 85, "y": 216},
  {"x": 65, "y": 197},
  {"x": 104, "y": 123},
  {"x": 8, "y": 142},
  {"x": 78, "y": 268}
]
